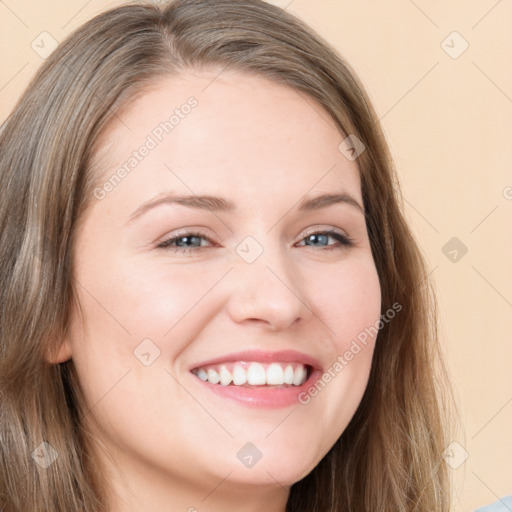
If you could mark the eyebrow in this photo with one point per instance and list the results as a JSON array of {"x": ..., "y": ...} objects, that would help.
[{"x": 220, "y": 204}]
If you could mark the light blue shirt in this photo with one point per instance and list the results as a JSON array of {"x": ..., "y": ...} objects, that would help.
[{"x": 503, "y": 505}]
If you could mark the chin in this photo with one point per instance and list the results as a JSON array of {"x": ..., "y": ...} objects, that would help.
[{"x": 276, "y": 470}]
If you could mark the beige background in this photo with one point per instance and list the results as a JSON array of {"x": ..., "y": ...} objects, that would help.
[{"x": 448, "y": 122}]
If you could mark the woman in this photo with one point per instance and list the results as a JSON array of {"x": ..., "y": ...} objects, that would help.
[{"x": 175, "y": 334}]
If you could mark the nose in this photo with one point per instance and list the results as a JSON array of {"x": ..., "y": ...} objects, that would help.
[{"x": 269, "y": 291}]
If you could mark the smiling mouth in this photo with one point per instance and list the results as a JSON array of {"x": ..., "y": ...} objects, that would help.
[{"x": 255, "y": 374}]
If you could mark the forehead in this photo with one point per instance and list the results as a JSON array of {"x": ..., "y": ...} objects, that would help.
[{"x": 241, "y": 132}]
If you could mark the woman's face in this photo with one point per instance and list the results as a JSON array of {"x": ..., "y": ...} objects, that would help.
[{"x": 179, "y": 290}]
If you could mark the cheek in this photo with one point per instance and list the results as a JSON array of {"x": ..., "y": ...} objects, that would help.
[
  {"x": 171, "y": 303},
  {"x": 350, "y": 307},
  {"x": 122, "y": 307},
  {"x": 350, "y": 302},
  {"x": 126, "y": 302},
  {"x": 353, "y": 314}
]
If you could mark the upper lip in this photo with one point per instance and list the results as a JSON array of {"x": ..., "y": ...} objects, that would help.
[{"x": 262, "y": 357}]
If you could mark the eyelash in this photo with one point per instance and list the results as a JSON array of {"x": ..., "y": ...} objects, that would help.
[{"x": 344, "y": 240}]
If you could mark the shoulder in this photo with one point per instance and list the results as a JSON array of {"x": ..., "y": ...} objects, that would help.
[{"x": 503, "y": 505}]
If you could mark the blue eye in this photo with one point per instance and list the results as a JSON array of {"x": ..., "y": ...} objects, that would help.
[
  {"x": 186, "y": 242},
  {"x": 320, "y": 236},
  {"x": 189, "y": 242}
]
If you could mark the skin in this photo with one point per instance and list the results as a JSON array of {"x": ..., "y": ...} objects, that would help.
[{"x": 172, "y": 442}]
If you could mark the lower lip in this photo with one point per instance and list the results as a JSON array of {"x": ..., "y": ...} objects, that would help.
[{"x": 260, "y": 396}]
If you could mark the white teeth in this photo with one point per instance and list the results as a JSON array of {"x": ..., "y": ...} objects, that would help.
[
  {"x": 275, "y": 374},
  {"x": 288, "y": 375},
  {"x": 225, "y": 376},
  {"x": 254, "y": 374},
  {"x": 239, "y": 376},
  {"x": 202, "y": 374},
  {"x": 213, "y": 376},
  {"x": 299, "y": 375}
]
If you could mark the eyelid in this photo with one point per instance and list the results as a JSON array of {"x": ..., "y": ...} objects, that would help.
[
  {"x": 189, "y": 231},
  {"x": 343, "y": 238},
  {"x": 324, "y": 228}
]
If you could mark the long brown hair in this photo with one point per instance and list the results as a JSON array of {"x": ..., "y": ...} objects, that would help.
[{"x": 389, "y": 458}]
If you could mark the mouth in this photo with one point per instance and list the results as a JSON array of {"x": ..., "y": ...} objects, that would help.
[
  {"x": 250, "y": 374},
  {"x": 259, "y": 379}
]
